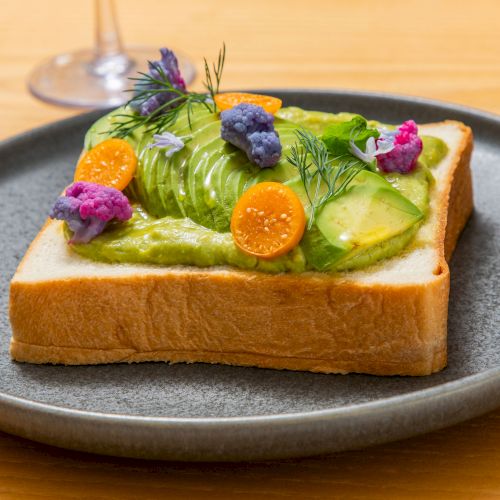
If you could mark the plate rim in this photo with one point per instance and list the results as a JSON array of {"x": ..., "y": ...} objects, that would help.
[
  {"x": 419, "y": 397},
  {"x": 336, "y": 91}
]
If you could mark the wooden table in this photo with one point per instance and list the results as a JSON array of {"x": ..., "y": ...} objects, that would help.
[{"x": 441, "y": 49}]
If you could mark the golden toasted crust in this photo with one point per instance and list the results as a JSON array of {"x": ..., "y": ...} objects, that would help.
[
  {"x": 460, "y": 197},
  {"x": 313, "y": 322}
]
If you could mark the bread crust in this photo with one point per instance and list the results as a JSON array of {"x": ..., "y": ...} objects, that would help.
[{"x": 313, "y": 321}]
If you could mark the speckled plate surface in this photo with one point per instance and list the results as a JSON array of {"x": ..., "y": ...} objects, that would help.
[{"x": 205, "y": 412}]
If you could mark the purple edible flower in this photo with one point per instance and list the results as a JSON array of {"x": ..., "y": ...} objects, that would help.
[
  {"x": 251, "y": 129},
  {"x": 407, "y": 148},
  {"x": 168, "y": 141},
  {"x": 374, "y": 147},
  {"x": 88, "y": 207},
  {"x": 166, "y": 69}
]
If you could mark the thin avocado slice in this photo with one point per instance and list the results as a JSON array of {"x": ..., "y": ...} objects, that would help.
[
  {"x": 222, "y": 168},
  {"x": 203, "y": 200},
  {"x": 146, "y": 175},
  {"x": 199, "y": 117},
  {"x": 136, "y": 187},
  {"x": 177, "y": 164},
  {"x": 209, "y": 194},
  {"x": 198, "y": 165},
  {"x": 186, "y": 177},
  {"x": 235, "y": 186},
  {"x": 156, "y": 183},
  {"x": 180, "y": 160},
  {"x": 281, "y": 172},
  {"x": 167, "y": 184},
  {"x": 317, "y": 121},
  {"x": 201, "y": 139},
  {"x": 320, "y": 252},
  {"x": 97, "y": 132},
  {"x": 205, "y": 192}
]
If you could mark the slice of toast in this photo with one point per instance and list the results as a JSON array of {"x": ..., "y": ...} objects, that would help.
[{"x": 388, "y": 319}]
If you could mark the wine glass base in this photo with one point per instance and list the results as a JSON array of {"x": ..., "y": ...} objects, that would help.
[{"x": 73, "y": 79}]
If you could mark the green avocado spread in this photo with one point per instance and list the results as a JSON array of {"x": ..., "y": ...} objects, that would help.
[{"x": 183, "y": 203}]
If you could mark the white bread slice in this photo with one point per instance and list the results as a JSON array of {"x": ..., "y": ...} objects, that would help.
[{"x": 390, "y": 318}]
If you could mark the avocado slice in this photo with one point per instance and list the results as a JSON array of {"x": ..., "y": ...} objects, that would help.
[
  {"x": 320, "y": 252},
  {"x": 180, "y": 160},
  {"x": 201, "y": 143},
  {"x": 194, "y": 189},
  {"x": 366, "y": 216},
  {"x": 363, "y": 177},
  {"x": 201, "y": 193},
  {"x": 369, "y": 213},
  {"x": 177, "y": 164},
  {"x": 415, "y": 187},
  {"x": 146, "y": 179},
  {"x": 235, "y": 185},
  {"x": 211, "y": 197},
  {"x": 316, "y": 121},
  {"x": 229, "y": 162}
]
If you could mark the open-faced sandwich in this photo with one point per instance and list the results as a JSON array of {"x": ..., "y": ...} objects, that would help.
[{"x": 225, "y": 228}]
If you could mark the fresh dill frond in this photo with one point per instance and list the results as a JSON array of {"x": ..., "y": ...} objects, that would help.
[
  {"x": 324, "y": 177},
  {"x": 166, "y": 114},
  {"x": 211, "y": 86}
]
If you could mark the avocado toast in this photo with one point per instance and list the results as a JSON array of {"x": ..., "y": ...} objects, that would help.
[{"x": 364, "y": 288}]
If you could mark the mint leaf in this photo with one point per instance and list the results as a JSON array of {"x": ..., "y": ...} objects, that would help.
[{"x": 337, "y": 136}]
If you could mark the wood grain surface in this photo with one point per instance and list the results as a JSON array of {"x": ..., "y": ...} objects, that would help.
[{"x": 441, "y": 49}]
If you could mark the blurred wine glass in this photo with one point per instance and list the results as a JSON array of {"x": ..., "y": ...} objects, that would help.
[{"x": 98, "y": 77}]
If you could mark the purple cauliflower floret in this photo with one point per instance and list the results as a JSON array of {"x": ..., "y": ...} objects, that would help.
[
  {"x": 167, "y": 68},
  {"x": 68, "y": 209},
  {"x": 266, "y": 148},
  {"x": 251, "y": 129},
  {"x": 88, "y": 207},
  {"x": 407, "y": 148}
]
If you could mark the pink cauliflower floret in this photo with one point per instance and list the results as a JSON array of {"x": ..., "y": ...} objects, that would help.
[
  {"x": 88, "y": 207},
  {"x": 407, "y": 148},
  {"x": 99, "y": 201}
]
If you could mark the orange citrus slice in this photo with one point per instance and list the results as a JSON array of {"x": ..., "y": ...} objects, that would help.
[
  {"x": 231, "y": 99},
  {"x": 268, "y": 220},
  {"x": 111, "y": 163}
]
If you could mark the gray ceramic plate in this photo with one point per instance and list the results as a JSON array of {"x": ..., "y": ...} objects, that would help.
[{"x": 205, "y": 412}]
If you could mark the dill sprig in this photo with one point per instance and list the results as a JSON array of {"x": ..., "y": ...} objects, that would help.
[
  {"x": 213, "y": 88},
  {"x": 324, "y": 177},
  {"x": 165, "y": 115}
]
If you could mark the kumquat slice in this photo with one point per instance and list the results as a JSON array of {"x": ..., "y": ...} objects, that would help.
[
  {"x": 230, "y": 99},
  {"x": 111, "y": 163},
  {"x": 268, "y": 220}
]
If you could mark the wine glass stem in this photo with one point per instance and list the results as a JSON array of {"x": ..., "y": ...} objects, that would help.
[
  {"x": 107, "y": 34},
  {"x": 110, "y": 58}
]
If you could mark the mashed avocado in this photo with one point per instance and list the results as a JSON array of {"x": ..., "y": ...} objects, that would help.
[
  {"x": 183, "y": 204},
  {"x": 168, "y": 241}
]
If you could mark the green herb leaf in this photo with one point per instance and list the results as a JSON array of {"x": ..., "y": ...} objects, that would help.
[{"x": 338, "y": 136}]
